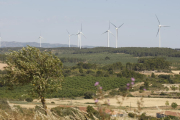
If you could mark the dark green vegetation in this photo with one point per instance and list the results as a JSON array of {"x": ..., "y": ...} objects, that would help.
[
  {"x": 71, "y": 87},
  {"x": 110, "y": 66}
]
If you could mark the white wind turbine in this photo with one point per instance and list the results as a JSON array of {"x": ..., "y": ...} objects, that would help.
[
  {"x": 69, "y": 37},
  {"x": 40, "y": 38},
  {"x": 116, "y": 32},
  {"x": 108, "y": 31},
  {"x": 159, "y": 27},
  {"x": 79, "y": 36}
]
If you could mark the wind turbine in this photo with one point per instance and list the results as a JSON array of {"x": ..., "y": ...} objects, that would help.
[
  {"x": 159, "y": 27},
  {"x": 40, "y": 37},
  {"x": 116, "y": 32},
  {"x": 108, "y": 31},
  {"x": 80, "y": 33},
  {"x": 69, "y": 37}
]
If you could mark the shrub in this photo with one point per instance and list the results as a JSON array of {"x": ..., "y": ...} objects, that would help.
[
  {"x": 4, "y": 105},
  {"x": 89, "y": 72},
  {"x": 29, "y": 99},
  {"x": 119, "y": 75},
  {"x": 106, "y": 75},
  {"x": 132, "y": 115},
  {"x": 88, "y": 95},
  {"x": 153, "y": 75},
  {"x": 107, "y": 58},
  {"x": 64, "y": 111},
  {"x": 80, "y": 70},
  {"x": 173, "y": 88},
  {"x": 91, "y": 111},
  {"x": 162, "y": 93},
  {"x": 174, "y": 105},
  {"x": 114, "y": 92},
  {"x": 99, "y": 73}
]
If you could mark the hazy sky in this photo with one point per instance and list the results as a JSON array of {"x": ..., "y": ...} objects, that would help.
[{"x": 23, "y": 20}]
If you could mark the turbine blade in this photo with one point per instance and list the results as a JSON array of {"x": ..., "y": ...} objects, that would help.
[
  {"x": 83, "y": 35},
  {"x": 165, "y": 26},
  {"x": 72, "y": 34},
  {"x": 158, "y": 20},
  {"x": 121, "y": 25},
  {"x": 67, "y": 31},
  {"x": 113, "y": 25},
  {"x": 109, "y": 25},
  {"x": 157, "y": 32},
  {"x": 111, "y": 33},
  {"x": 81, "y": 27},
  {"x": 105, "y": 32}
]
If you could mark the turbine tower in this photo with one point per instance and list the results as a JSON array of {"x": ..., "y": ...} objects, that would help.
[
  {"x": 78, "y": 37},
  {"x": 40, "y": 38},
  {"x": 79, "y": 34},
  {"x": 159, "y": 27},
  {"x": 69, "y": 37},
  {"x": 116, "y": 32},
  {"x": 108, "y": 31}
]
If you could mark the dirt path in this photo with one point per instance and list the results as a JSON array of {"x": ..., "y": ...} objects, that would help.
[{"x": 148, "y": 102}]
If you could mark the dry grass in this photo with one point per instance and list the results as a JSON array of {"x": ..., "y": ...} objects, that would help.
[
  {"x": 16, "y": 114},
  {"x": 149, "y": 103}
]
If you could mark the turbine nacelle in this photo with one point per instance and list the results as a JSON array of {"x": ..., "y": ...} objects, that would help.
[{"x": 40, "y": 37}]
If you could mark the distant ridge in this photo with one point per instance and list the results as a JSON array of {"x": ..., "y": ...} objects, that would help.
[{"x": 35, "y": 44}]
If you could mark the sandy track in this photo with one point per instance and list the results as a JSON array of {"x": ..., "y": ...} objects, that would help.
[
  {"x": 148, "y": 102},
  {"x": 176, "y": 71}
]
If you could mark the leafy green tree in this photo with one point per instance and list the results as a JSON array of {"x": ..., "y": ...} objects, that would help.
[
  {"x": 174, "y": 105},
  {"x": 42, "y": 70},
  {"x": 167, "y": 103},
  {"x": 107, "y": 58},
  {"x": 99, "y": 73},
  {"x": 146, "y": 84},
  {"x": 80, "y": 70},
  {"x": 173, "y": 87},
  {"x": 153, "y": 75}
]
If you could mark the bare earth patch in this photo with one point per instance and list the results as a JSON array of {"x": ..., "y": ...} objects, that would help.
[
  {"x": 148, "y": 102},
  {"x": 176, "y": 71},
  {"x": 2, "y": 65}
]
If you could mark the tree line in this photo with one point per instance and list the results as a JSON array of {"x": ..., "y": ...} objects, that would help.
[
  {"x": 135, "y": 51},
  {"x": 156, "y": 63}
]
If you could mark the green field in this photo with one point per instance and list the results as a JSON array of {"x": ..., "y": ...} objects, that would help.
[
  {"x": 99, "y": 58},
  {"x": 174, "y": 60},
  {"x": 71, "y": 87}
]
